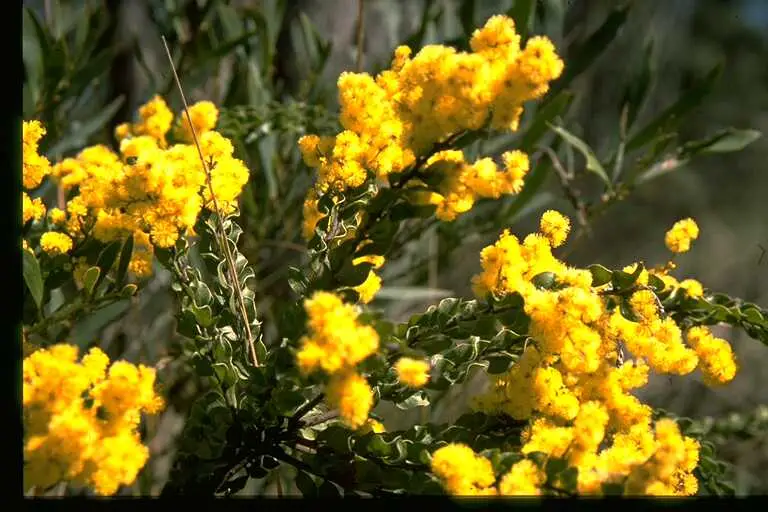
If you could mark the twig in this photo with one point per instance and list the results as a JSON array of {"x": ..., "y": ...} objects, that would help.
[
  {"x": 328, "y": 416},
  {"x": 224, "y": 242},
  {"x": 360, "y": 34},
  {"x": 303, "y": 410},
  {"x": 571, "y": 193}
]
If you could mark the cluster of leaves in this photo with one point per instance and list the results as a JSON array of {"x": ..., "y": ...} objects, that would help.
[{"x": 54, "y": 302}]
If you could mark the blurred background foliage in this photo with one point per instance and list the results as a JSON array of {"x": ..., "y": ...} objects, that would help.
[{"x": 271, "y": 66}]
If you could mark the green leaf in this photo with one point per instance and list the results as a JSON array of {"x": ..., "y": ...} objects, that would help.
[
  {"x": 544, "y": 280},
  {"x": 523, "y": 12},
  {"x": 33, "y": 277},
  {"x": 593, "y": 164},
  {"x": 467, "y": 17},
  {"x": 328, "y": 489},
  {"x": 557, "y": 106},
  {"x": 336, "y": 438},
  {"x": 639, "y": 85},
  {"x": 80, "y": 133},
  {"x": 128, "y": 290},
  {"x": 585, "y": 53},
  {"x": 499, "y": 364},
  {"x": 90, "y": 279},
  {"x": 622, "y": 280},
  {"x": 670, "y": 117},
  {"x": 286, "y": 400},
  {"x": 125, "y": 259},
  {"x": 419, "y": 399},
  {"x": 353, "y": 275},
  {"x": 107, "y": 258},
  {"x": 600, "y": 275},
  {"x": 203, "y": 315},
  {"x": 724, "y": 141},
  {"x": 305, "y": 484}
]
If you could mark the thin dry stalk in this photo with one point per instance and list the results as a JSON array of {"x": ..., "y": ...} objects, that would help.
[
  {"x": 220, "y": 224},
  {"x": 360, "y": 34}
]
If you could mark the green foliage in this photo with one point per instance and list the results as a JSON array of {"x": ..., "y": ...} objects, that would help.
[{"x": 241, "y": 280}]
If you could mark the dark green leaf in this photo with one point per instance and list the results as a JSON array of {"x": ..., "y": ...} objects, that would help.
[
  {"x": 523, "y": 12},
  {"x": 585, "y": 53},
  {"x": 467, "y": 17},
  {"x": 305, "y": 484},
  {"x": 125, "y": 260},
  {"x": 81, "y": 132},
  {"x": 335, "y": 437},
  {"x": 544, "y": 280},
  {"x": 32, "y": 277},
  {"x": 600, "y": 275},
  {"x": 622, "y": 280},
  {"x": 236, "y": 485},
  {"x": 328, "y": 489},
  {"x": 353, "y": 275},
  {"x": 107, "y": 258},
  {"x": 669, "y": 118},
  {"x": 499, "y": 364},
  {"x": 639, "y": 85}
]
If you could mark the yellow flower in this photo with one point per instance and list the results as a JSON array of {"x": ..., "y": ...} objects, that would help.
[
  {"x": 678, "y": 239},
  {"x": 523, "y": 479},
  {"x": 352, "y": 395},
  {"x": 412, "y": 372},
  {"x": 32, "y": 209},
  {"x": 55, "y": 243},
  {"x": 57, "y": 216},
  {"x": 462, "y": 471},
  {"x": 555, "y": 227},
  {"x": 65, "y": 438},
  {"x": 372, "y": 425},
  {"x": 204, "y": 116},
  {"x": 336, "y": 342},
  {"x": 692, "y": 287},
  {"x": 35, "y": 166}
]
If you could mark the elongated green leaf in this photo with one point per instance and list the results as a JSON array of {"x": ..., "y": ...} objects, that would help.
[
  {"x": 467, "y": 11},
  {"x": 593, "y": 164},
  {"x": 558, "y": 106},
  {"x": 639, "y": 85},
  {"x": 724, "y": 141},
  {"x": 33, "y": 277},
  {"x": 81, "y": 132},
  {"x": 667, "y": 120},
  {"x": 523, "y": 13},
  {"x": 125, "y": 260},
  {"x": 106, "y": 260},
  {"x": 581, "y": 57}
]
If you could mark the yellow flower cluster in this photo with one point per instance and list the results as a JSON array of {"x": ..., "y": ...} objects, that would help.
[
  {"x": 463, "y": 183},
  {"x": 149, "y": 189},
  {"x": 462, "y": 471},
  {"x": 336, "y": 344},
  {"x": 396, "y": 119},
  {"x": 412, "y": 372},
  {"x": 55, "y": 243},
  {"x": 569, "y": 380},
  {"x": 35, "y": 168},
  {"x": 679, "y": 238},
  {"x": 81, "y": 418}
]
